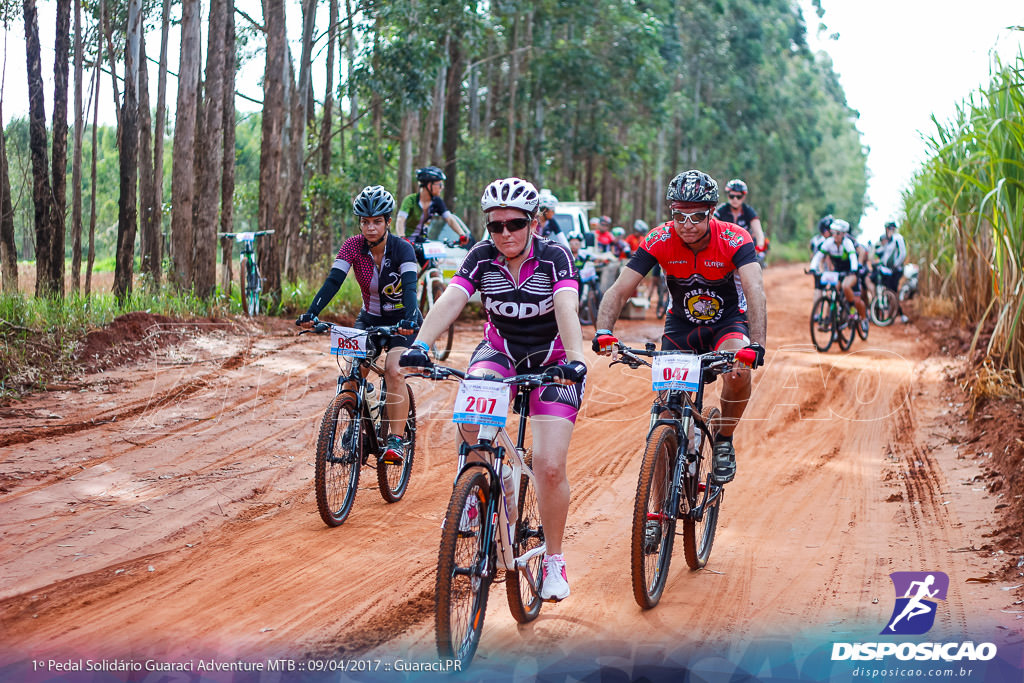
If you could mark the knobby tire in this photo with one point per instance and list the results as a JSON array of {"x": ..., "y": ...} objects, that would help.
[
  {"x": 699, "y": 536},
  {"x": 337, "y": 464},
  {"x": 527, "y": 534},
  {"x": 822, "y": 332},
  {"x": 393, "y": 480},
  {"x": 464, "y": 570},
  {"x": 654, "y": 525}
]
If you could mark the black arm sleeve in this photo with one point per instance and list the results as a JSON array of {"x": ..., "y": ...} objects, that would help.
[
  {"x": 330, "y": 287},
  {"x": 642, "y": 262},
  {"x": 409, "y": 294}
]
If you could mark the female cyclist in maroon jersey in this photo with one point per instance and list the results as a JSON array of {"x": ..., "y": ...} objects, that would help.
[
  {"x": 385, "y": 268},
  {"x": 529, "y": 290}
]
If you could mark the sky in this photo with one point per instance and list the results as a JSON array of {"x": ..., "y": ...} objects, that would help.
[{"x": 899, "y": 62}]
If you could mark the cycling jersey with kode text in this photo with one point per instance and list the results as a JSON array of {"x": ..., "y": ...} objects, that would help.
[
  {"x": 704, "y": 287},
  {"x": 520, "y": 315},
  {"x": 381, "y": 287}
]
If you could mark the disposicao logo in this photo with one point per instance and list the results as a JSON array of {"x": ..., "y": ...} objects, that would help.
[
  {"x": 916, "y": 606},
  {"x": 917, "y": 600}
]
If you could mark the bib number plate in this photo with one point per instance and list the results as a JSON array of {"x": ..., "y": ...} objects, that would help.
[
  {"x": 481, "y": 402},
  {"x": 433, "y": 250},
  {"x": 676, "y": 371},
  {"x": 830, "y": 277},
  {"x": 348, "y": 341}
]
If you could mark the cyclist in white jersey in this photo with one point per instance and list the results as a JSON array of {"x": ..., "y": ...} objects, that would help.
[{"x": 841, "y": 251}]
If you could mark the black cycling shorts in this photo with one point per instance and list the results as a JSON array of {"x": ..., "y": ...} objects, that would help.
[{"x": 681, "y": 335}]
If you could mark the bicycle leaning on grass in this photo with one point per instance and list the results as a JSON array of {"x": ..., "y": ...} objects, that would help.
[
  {"x": 251, "y": 282},
  {"x": 675, "y": 475},
  {"x": 493, "y": 520},
  {"x": 355, "y": 424}
]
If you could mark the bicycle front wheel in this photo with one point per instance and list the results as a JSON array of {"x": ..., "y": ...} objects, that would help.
[
  {"x": 821, "y": 325},
  {"x": 699, "y": 534},
  {"x": 654, "y": 523},
  {"x": 845, "y": 327},
  {"x": 337, "y": 460},
  {"x": 528, "y": 535},
  {"x": 393, "y": 480},
  {"x": 464, "y": 569},
  {"x": 883, "y": 308}
]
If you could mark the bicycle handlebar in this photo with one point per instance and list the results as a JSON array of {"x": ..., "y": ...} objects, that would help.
[
  {"x": 234, "y": 235},
  {"x": 441, "y": 372},
  {"x": 322, "y": 327},
  {"x": 717, "y": 361}
]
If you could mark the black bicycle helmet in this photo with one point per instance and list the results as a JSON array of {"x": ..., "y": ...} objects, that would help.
[
  {"x": 736, "y": 185},
  {"x": 374, "y": 200},
  {"x": 430, "y": 174},
  {"x": 693, "y": 186},
  {"x": 825, "y": 223},
  {"x": 891, "y": 224}
]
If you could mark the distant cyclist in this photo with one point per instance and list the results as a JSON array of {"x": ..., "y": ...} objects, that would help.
[
  {"x": 892, "y": 257},
  {"x": 385, "y": 268},
  {"x": 547, "y": 226},
  {"x": 528, "y": 288},
  {"x": 419, "y": 208},
  {"x": 823, "y": 234},
  {"x": 842, "y": 254},
  {"x": 737, "y": 211},
  {"x": 718, "y": 300}
]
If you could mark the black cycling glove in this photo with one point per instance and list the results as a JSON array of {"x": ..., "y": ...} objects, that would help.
[{"x": 574, "y": 371}]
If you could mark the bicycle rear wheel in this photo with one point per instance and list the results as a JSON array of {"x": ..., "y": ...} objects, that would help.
[
  {"x": 821, "y": 325},
  {"x": 654, "y": 523},
  {"x": 528, "y": 534},
  {"x": 845, "y": 327},
  {"x": 883, "y": 308},
  {"x": 699, "y": 534},
  {"x": 393, "y": 480},
  {"x": 337, "y": 460},
  {"x": 464, "y": 569}
]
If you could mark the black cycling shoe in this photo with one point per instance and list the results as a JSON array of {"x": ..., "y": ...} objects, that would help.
[{"x": 723, "y": 463}]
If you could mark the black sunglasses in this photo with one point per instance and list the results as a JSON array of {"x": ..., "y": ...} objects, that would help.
[
  {"x": 735, "y": 196},
  {"x": 512, "y": 225}
]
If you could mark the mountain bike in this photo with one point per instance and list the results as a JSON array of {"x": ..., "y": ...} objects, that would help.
[
  {"x": 431, "y": 285},
  {"x": 884, "y": 303},
  {"x": 830, "y": 316},
  {"x": 492, "y": 521},
  {"x": 355, "y": 424},
  {"x": 251, "y": 282},
  {"x": 675, "y": 475}
]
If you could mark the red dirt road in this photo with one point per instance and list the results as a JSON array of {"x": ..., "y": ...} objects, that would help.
[{"x": 166, "y": 509}]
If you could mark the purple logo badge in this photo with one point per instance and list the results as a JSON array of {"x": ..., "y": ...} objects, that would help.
[{"x": 917, "y": 594}]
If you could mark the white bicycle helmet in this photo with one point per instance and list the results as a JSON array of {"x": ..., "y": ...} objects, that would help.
[
  {"x": 839, "y": 225},
  {"x": 513, "y": 193},
  {"x": 546, "y": 200}
]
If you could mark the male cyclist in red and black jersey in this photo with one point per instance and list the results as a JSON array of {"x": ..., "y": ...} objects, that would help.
[
  {"x": 718, "y": 300},
  {"x": 385, "y": 268},
  {"x": 737, "y": 211}
]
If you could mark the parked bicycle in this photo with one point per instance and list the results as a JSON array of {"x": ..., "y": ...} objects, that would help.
[
  {"x": 830, "y": 316},
  {"x": 431, "y": 285},
  {"x": 355, "y": 424},
  {"x": 493, "y": 520},
  {"x": 251, "y": 282},
  {"x": 675, "y": 475}
]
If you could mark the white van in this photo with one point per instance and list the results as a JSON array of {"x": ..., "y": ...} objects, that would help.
[{"x": 573, "y": 217}]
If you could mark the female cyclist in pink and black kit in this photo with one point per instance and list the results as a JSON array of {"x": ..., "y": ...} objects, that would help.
[{"x": 529, "y": 290}]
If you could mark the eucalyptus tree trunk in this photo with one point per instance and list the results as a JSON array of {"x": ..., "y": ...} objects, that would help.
[
  {"x": 182, "y": 178},
  {"x": 227, "y": 201},
  {"x": 59, "y": 131},
  {"x": 42, "y": 193},
  {"x": 270, "y": 150},
  {"x": 76, "y": 160},
  {"x": 128, "y": 134},
  {"x": 91, "y": 258},
  {"x": 453, "y": 109},
  {"x": 321, "y": 237},
  {"x": 8, "y": 249},
  {"x": 296, "y": 159},
  {"x": 513, "y": 92},
  {"x": 149, "y": 233},
  {"x": 353, "y": 93},
  {"x": 210, "y": 157},
  {"x": 158, "y": 139},
  {"x": 409, "y": 131}
]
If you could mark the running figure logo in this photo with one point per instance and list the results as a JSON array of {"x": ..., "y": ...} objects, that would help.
[{"x": 916, "y": 596}]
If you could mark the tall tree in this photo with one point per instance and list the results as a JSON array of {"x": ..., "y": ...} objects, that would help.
[
  {"x": 158, "y": 138},
  {"x": 76, "y": 159},
  {"x": 149, "y": 233},
  {"x": 271, "y": 165},
  {"x": 128, "y": 139},
  {"x": 322, "y": 230},
  {"x": 8, "y": 249},
  {"x": 210, "y": 156},
  {"x": 91, "y": 259},
  {"x": 59, "y": 131},
  {"x": 227, "y": 208},
  {"x": 48, "y": 280},
  {"x": 182, "y": 178}
]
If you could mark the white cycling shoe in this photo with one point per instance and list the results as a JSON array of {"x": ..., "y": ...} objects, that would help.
[{"x": 555, "y": 585}]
